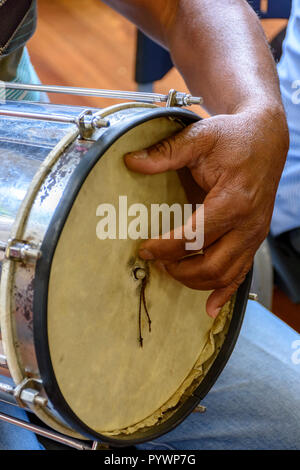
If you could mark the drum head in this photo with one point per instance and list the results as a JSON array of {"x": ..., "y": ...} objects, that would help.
[{"x": 109, "y": 383}]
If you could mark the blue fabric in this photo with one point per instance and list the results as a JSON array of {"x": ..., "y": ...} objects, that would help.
[
  {"x": 255, "y": 404},
  {"x": 287, "y": 207},
  {"x": 13, "y": 437},
  {"x": 24, "y": 73}
]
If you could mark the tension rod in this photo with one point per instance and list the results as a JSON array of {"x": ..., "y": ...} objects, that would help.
[{"x": 178, "y": 98}]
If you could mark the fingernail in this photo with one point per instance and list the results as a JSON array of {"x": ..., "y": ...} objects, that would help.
[
  {"x": 138, "y": 155},
  {"x": 146, "y": 254},
  {"x": 215, "y": 313}
]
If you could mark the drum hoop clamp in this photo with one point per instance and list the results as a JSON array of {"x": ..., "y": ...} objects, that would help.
[
  {"x": 87, "y": 127},
  {"x": 19, "y": 250}
]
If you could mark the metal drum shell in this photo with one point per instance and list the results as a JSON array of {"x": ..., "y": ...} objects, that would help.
[{"x": 24, "y": 144}]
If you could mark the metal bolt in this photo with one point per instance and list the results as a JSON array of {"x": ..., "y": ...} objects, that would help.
[
  {"x": 200, "y": 409},
  {"x": 98, "y": 122},
  {"x": 29, "y": 395},
  {"x": 140, "y": 274},
  {"x": 253, "y": 296}
]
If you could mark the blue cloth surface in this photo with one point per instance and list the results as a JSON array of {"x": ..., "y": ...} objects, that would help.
[
  {"x": 255, "y": 404},
  {"x": 13, "y": 437},
  {"x": 287, "y": 207}
]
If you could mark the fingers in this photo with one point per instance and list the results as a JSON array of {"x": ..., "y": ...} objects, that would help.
[
  {"x": 173, "y": 153},
  {"x": 205, "y": 272},
  {"x": 216, "y": 224},
  {"x": 176, "y": 244},
  {"x": 164, "y": 249},
  {"x": 221, "y": 266}
]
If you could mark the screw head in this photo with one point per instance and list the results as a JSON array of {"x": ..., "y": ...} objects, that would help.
[{"x": 139, "y": 274}]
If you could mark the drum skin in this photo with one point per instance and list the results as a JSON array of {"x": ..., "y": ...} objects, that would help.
[
  {"x": 132, "y": 387},
  {"x": 84, "y": 300}
]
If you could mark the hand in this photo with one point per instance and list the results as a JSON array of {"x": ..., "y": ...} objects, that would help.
[{"x": 237, "y": 160}]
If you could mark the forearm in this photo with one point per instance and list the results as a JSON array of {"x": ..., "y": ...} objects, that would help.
[{"x": 218, "y": 46}]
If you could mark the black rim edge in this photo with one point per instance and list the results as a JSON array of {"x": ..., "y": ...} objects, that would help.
[{"x": 40, "y": 302}]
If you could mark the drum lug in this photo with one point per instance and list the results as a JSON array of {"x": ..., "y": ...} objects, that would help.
[
  {"x": 176, "y": 98},
  {"x": 16, "y": 250},
  {"x": 172, "y": 99},
  {"x": 87, "y": 127},
  {"x": 28, "y": 393}
]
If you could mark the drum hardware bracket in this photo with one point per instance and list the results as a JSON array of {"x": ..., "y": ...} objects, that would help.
[
  {"x": 176, "y": 98},
  {"x": 253, "y": 296},
  {"x": 25, "y": 393},
  {"x": 17, "y": 250},
  {"x": 172, "y": 99},
  {"x": 28, "y": 393},
  {"x": 200, "y": 409},
  {"x": 87, "y": 127}
]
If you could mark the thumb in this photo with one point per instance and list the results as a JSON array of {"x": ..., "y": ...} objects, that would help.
[{"x": 182, "y": 149}]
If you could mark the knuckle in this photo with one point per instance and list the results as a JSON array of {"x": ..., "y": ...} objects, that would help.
[
  {"x": 226, "y": 279},
  {"x": 215, "y": 271},
  {"x": 235, "y": 284}
]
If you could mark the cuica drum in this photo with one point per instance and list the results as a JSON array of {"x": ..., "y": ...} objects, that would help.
[{"x": 70, "y": 345}]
